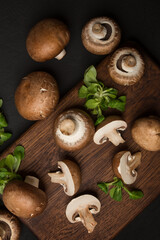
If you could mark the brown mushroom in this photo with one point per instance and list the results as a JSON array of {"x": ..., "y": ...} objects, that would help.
[
  {"x": 109, "y": 130},
  {"x": 126, "y": 66},
  {"x": 36, "y": 96},
  {"x": 69, "y": 176},
  {"x": 23, "y": 199},
  {"x": 80, "y": 209},
  {"x": 146, "y": 133},
  {"x": 9, "y": 226},
  {"x": 124, "y": 165},
  {"x": 47, "y": 39},
  {"x": 101, "y": 35},
  {"x": 73, "y": 129}
]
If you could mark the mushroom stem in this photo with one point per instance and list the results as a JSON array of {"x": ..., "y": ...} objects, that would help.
[
  {"x": 99, "y": 30},
  {"x": 57, "y": 177},
  {"x": 115, "y": 137},
  {"x": 135, "y": 161},
  {"x": 61, "y": 54},
  {"x": 128, "y": 62},
  {"x": 87, "y": 219},
  {"x": 67, "y": 126},
  {"x": 32, "y": 181}
]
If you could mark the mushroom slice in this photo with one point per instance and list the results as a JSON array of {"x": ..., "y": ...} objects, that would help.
[
  {"x": 69, "y": 176},
  {"x": 101, "y": 35},
  {"x": 124, "y": 165},
  {"x": 126, "y": 66},
  {"x": 9, "y": 226},
  {"x": 73, "y": 129},
  {"x": 109, "y": 130},
  {"x": 80, "y": 209}
]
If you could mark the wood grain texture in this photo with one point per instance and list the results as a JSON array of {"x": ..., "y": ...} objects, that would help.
[{"x": 95, "y": 162}]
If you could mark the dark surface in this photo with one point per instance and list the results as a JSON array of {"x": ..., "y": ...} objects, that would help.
[{"x": 139, "y": 20}]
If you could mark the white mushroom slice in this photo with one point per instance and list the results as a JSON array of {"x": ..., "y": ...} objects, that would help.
[
  {"x": 9, "y": 226},
  {"x": 124, "y": 165},
  {"x": 101, "y": 35},
  {"x": 81, "y": 209},
  {"x": 126, "y": 66},
  {"x": 109, "y": 130},
  {"x": 69, "y": 178}
]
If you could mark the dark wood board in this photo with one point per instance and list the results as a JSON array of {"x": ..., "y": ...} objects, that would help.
[{"x": 95, "y": 162}]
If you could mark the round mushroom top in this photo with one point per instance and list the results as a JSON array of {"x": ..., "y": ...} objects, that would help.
[
  {"x": 23, "y": 199},
  {"x": 126, "y": 66},
  {"x": 47, "y": 39},
  {"x": 73, "y": 129},
  {"x": 101, "y": 35},
  {"x": 85, "y": 201},
  {"x": 9, "y": 225},
  {"x": 36, "y": 96}
]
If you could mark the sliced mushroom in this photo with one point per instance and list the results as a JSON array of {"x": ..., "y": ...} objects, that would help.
[
  {"x": 109, "y": 130},
  {"x": 73, "y": 129},
  {"x": 101, "y": 35},
  {"x": 69, "y": 176},
  {"x": 146, "y": 133},
  {"x": 80, "y": 209},
  {"x": 9, "y": 226},
  {"x": 124, "y": 165},
  {"x": 24, "y": 199},
  {"x": 126, "y": 66}
]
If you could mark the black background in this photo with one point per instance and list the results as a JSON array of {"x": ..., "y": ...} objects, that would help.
[{"x": 138, "y": 19}]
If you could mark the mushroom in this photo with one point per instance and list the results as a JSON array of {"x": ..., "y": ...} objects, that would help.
[
  {"x": 36, "y": 96},
  {"x": 9, "y": 226},
  {"x": 146, "y": 133},
  {"x": 126, "y": 66},
  {"x": 47, "y": 39},
  {"x": 24, "y": 199},
  {"x": 73, "y": 129},
  {"x": 109, "y": 130},
  {"x": 69, "y": 176},
  {"x": 80, "y": 209},
  {"x": 101, "y": 35},
  {"x": 124, "y": 165}
]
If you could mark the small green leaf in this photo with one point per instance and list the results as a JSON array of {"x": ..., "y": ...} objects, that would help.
[
  {"x": 90, "y": 76},
  {"x": 93, "y": 87},
  {"x": 9, "y": 162},
  {"x": 3, "y": 170},
  {"x": 91, "y": 103},
  {"x": 103, "y": 187},
  {"x": 83, "y": 92},
  {"x": 1, "y": 103},
  {"x": 3, "y": 122},
  {"x": 19, "y": 150},
  {"x": 104, "y": 104},
  {"x": 2, "y": 186},
  {"x": 119, "y": 183},
  {"x": 95, "y": 111},
  {"x": 5, "y": 136},
  {"x": 118, "y": 104},
  {"x": 116, "y": 193},
  {"x": 135, "y": 194},
  {"x": 101, "y": 83},
  {"x": 2, "y": 163},
  {"x": 99, "y": 120}
]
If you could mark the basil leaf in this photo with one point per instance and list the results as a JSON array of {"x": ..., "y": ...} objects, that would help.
[
  {"x": 118, "y": 104},
  {"x": 90, "y": 76},
  {"x": 3, "y": 122},
  {"x": 99, "y": 120},
  {"x": 91, "y": 103},
  {"x": 1, "y": 103},
  {"x": 135, "y": 194},
  {"x": 103, "y": 187},
  {"x": 83, "y": 92},
  {"x": 116, "y": 193},
  {"x": 93, "y": 88}
]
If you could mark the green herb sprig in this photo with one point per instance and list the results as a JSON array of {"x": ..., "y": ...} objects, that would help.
[
  {"x": 4, "y": 136},
  {"x": 116, "y": 191},
  {"x": 9, "y": 167},
  {"x": 98, "y": 97}
]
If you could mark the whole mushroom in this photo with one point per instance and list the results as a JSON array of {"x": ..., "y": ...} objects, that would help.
[
  {"x": 68, "y": 176},
  {"x": 124, "y": 165},
  {"x": 36, "y": 96},
  {"x": 73, "y": 129},
  {"x": 101, "y": 35},
  {"x": 47, "y": 40},
  {"x": 146, "y": 133},
  {"x": 126, "y": 66},
  {"x": 24, "y": 199},
  {"x": 9, "y": 226},
  {"x": 109, "y": 130},
  {"x": 80, "y": 209}
]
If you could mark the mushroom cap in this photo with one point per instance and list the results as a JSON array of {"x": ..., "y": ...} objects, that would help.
[
  {"x": 126, "y": 66},
  {"x": 81, "y": 136},
  {"x": 10, "y": 224},
  {"x": 47, "y": 39},
  {"x": 109, "y": 124},
  {"x": 24, "y": 200},
  {"x": 36, "y": 96},
  {"x": 124, "y": 165},
  {"x": 106, "y": 44},
  {"x": 84, "y": 201},
  {"x": 146, "y": 133}
]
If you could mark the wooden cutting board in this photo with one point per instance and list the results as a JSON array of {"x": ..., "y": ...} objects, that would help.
[{"x": 95, "y": 162}]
